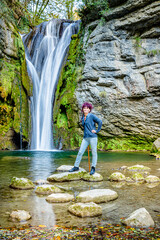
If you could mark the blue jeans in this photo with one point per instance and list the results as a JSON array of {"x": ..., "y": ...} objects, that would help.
[{"x": 84, "y": 145}]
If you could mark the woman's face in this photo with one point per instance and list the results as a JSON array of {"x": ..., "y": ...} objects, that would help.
[{"x": 86, "y": 110}]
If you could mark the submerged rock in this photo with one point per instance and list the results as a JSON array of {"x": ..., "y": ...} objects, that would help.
[
  {"x": 152, "y": 179},
  {"x": 97, "y": 196},
  {"x": 138, "y": 168},
  {"x": 66, "y": 168},
  {"x": 21, "y": 183},
  {"x": 152, "y": 185},
  {"x": 60, "y": 197},
  {"x": 139, "y": 218},
  {"x": 85, "y": 209},
  {"x": 117, "y": 176},
  {"x": 96, "y": 177},
  {"x": 47, "y": 189},
  {"x": 66, "y": 176},
  {"x": 20, "y": 215},
  {"x": 138, "y": 177},
  {"x": 129, "y": 180}
]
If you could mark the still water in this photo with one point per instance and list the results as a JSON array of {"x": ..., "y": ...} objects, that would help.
[{"x": 37, "y": 165}]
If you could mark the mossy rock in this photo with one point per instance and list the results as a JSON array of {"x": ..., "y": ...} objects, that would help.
[
  {"x": 138, "y": 168},
  {"x": 129, "y": 180},
  {"x": 47, "y": 189},
  {"x": 117, "y": 176},
  {"x": 85, "y": 209},
  {"x": 66, "y": 176},
  {"x": 138, "y": 177},
  {"x": 21, "y": 183},
  {"x": 152, "y": 179},
  {"x": 96, "y": 177}
]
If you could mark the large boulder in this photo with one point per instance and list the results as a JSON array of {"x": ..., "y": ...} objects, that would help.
[
  {"x": 47, "y": 189},
  {"x": 139, "y": 218},
  {"x": 152, "y": 179},
  {"x": 21, "y": 183},
  {"x": 85, "y": 209},
  {"x": 66, "y": 176},
  {"x": 138, "y": 168},
  {"x": 97, "y": 196},
  {"x": 96, "y": 177},
  {"x": 20, "y": 215},
  {"x": 60, "y": 197},
  {"x": 117, "y": 176},
  {"x": 156, "y": 145}
]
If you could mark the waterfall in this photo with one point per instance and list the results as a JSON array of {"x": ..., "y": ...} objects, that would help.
[{"x": 46, "y": 47}]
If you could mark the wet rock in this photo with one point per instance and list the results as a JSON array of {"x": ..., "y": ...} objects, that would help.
[
  {"x": 152, "y": 179},
  {"x": 129, "y": 180},
  {"x": 41, "y": 182},
  {"x": 66, "y": 168},
  {"x": 152, "y": 185},
  {"x": 21, "y": 183},
  {"x": 138, "y": 177},
  {"x": 117, "y": 176},
  {"x": 97, "y": 196},
  {"x": 123, "y": 168},
  {"x": 66, "y": 176},
  {"x": 20, "y": 215},
  {"x": 85, "y": 209},
  {"x": 47, "y": 189},
  {"x": 139, "y": 218},
  {"x": 96, "y": 177},
  {"x": 138, "y": 168},
  {"x": 60, "y": 197}
]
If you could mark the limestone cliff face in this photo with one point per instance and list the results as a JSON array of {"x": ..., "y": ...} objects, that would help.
[
  {"x": 121, "y": 76},
  {"x": 15, "y": 89}
]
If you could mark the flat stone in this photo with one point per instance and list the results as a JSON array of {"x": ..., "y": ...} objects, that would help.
[
  {"x": 152, "y": 179},
  {"x": 66, "y": 176},
  {"x": 96, "y": 177},
  {"x": 138, "y": 168},
  {"x": 117, "y": 176},
  {"x": 97, "y": 196},
  {"x": 59, "y": 197},
  {"x": 66, "y": 168},
  {"x": 20, "y": 215},
  {"x": 47, "y": 189},
  {"x": 85, "y": 209},
  {"x": 139, "y": 218},
  {"x": 21, "y": 183},
  {"x": 137, "y": 177}
]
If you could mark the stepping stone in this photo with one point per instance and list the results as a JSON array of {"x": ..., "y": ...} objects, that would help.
[
  {"x": 138, "y": 168},
  {"x": 21, "y": 183},
  {"x": 96, "y": 177},
  {"x": 60, "y": 197},
  {"x": 20, "y": 215},
  {"x": 139, "y": 218},
  {"x": 152, "y": 179},
  {"x": 138, "y": 177},
  {"x": 117, "y": 176},
  {"x": 97, "y": 196},
  {"x": 85, "y": 209},
  {"x": 66, "y": 176},
  {"x": 66, "y": 168},
  {"x": 47, "y": 189}
]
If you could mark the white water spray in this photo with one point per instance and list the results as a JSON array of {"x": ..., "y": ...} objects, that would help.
[{"x": 46, "y": 48}]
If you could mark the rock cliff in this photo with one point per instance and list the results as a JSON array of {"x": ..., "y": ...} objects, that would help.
[{"x": 121, "y": 76}]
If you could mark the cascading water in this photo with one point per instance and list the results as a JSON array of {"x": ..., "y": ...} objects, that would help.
[{"x": 46, "y": 47}]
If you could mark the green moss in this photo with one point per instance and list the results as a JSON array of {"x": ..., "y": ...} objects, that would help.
[
  {"x": 137, "y": 177},
  {"x": 21, "y": 182}
]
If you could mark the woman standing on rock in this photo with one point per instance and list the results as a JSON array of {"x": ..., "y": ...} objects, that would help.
[{"x": 90, "y": 136}]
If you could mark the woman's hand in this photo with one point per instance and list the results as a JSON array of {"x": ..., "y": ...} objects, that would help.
[{"x": 93, "y": 131}]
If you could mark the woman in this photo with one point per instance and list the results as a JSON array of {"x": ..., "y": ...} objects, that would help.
[{"x": 90, "y": 136}]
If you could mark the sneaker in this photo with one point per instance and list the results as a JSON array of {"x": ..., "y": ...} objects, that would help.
[
  {"x": 92, "y": 171},
  {"x": 74, "y": 169}
]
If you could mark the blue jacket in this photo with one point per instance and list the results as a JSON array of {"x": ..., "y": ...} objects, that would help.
[{"x": 89, "y": 125}]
